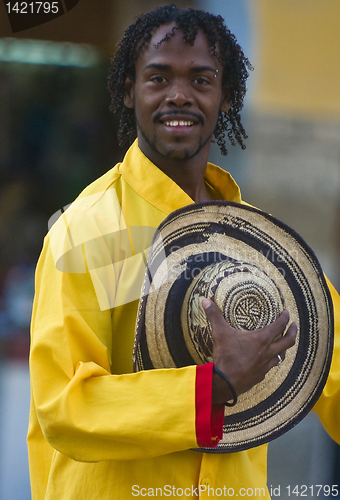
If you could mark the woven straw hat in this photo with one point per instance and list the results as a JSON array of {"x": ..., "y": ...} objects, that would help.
[{"x": 252, "y": 266}]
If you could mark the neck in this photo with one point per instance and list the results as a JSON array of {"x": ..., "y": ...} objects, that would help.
[
  {"x": 190, "y": 178},
  {"x": 188, "y": 174}
]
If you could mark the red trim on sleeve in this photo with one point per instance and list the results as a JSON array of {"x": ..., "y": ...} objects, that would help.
[{"x": 209, "y": 418}]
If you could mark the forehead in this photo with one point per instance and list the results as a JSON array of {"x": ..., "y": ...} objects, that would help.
[{"x": 167, "y": 46}]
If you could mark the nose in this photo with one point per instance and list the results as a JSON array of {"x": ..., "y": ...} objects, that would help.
[{"x": 179, "y": 95}]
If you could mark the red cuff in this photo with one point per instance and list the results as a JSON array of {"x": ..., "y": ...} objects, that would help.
[{"x": 209, "y": 418}]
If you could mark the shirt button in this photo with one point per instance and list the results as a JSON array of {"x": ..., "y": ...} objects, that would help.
[{"x": 206, "y": 482}]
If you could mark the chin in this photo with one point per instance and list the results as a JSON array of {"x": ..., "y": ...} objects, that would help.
[
  {"x": 179, "y": 155},
  {"x": 175, "y": 151}
]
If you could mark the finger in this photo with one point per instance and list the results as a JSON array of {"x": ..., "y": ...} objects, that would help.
[
  {"x": 287, "y": 341},
  {"x": 280, "y": 346},
  {"x": 276, "y": 329},
  {"x": 277, "y": 360},
  {"x": 281, "y": 357},
  {"x": 214, "y": 315},
  {"x": 291, "y": 333}
]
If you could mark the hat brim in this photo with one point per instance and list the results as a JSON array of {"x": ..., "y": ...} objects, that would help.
[{"x": 199, "y": 235}]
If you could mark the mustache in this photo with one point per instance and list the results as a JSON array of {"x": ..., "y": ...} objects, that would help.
[{"x": 160, "y": 115}]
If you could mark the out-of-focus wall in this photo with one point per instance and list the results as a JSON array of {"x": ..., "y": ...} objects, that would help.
[
  {"x": 298, "y": 49},
  {"x": 294, "y": 147}
]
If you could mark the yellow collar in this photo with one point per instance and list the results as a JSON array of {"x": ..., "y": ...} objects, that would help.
[{"x": 158, "y": 189}]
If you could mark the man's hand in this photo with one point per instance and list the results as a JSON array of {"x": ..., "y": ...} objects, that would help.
[{"x": 245, "y": 356}]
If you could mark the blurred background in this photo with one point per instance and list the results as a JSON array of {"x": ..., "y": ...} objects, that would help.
[{"x": 57, "y": 135}]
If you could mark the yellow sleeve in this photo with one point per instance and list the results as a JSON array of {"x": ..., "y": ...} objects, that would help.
[
  {"x": 328, "y": 406},
  {"x": 84, "y": 410}
]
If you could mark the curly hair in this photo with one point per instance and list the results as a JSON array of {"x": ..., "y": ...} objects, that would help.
[{"x": 230, "y": 55}]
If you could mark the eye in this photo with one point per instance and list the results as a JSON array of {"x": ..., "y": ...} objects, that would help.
[
  {"x": 158, "y": 79},
  {"x": 201, "y": 80}
]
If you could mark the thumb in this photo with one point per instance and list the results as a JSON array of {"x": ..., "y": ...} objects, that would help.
[{"x": 214, "y": 314}]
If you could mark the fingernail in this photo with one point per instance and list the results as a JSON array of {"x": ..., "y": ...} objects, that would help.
[
  {"x": 286, "y": 313},
  {"x": 206, "y": 303}
]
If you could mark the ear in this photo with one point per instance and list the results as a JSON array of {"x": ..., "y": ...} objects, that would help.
[
  {"x": 129, "y": 98},
  {"x": 226, "y": 101}
]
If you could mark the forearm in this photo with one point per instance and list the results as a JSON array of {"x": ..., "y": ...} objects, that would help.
[{"x": 99, "y": 416}]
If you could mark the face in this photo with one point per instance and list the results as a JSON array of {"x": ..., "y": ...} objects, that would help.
[{"x": 177, "y": 96}]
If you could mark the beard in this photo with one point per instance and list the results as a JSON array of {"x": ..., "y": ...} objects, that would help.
[{"x": 171, "y": 152}]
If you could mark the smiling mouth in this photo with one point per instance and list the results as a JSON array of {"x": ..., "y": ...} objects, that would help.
[{"x": 178, "y": 123}]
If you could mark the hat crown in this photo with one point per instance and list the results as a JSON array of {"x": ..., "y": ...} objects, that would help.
[{"x": 248, "y": 298}]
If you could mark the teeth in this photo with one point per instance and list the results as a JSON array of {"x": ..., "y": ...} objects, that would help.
[{"x": 181, "y": 123}]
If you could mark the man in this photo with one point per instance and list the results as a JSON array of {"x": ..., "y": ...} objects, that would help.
[{"x": 96, "y": 429}]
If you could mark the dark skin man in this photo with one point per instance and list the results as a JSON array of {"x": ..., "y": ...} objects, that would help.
[{"x": 177, "y": 96}]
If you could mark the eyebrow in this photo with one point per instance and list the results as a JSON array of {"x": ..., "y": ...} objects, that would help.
[
  {"x": 201, "y": 69},
  {"x": 167, "y": 67},
  {"x": 162, "y": 67}
]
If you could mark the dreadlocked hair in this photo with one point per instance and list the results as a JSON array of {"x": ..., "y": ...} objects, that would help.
[{"x": 230, "y": 55}]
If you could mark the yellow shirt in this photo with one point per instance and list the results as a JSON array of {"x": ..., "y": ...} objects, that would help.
[{"x": 97, "y": 430}]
